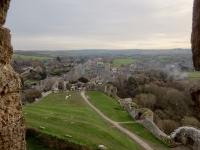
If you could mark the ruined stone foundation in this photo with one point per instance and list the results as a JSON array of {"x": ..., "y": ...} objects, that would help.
[{"x": 12, "y": 129}]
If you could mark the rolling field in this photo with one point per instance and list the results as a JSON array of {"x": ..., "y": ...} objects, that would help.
[
  {"x": 31, "y": 57},
  {"x": 111, "y": 109},
  {"x": 74, "y": 117},
  {"x": 193, "y": 74},
  {"x": 119, "y": 62}
]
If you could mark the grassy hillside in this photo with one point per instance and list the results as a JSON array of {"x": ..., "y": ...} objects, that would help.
[
  {"x": 108, "y": 106},
  {"x": 74, "y": 117},
  {"x": 111, "y": 109},
  {"x": 31, "y": 57},
  {"x": 119, "y": 62}
]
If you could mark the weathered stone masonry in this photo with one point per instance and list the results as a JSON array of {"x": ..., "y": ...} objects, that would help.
[
  {"x": 12, "y": 129},
  {"x": 195, "y": 37}
]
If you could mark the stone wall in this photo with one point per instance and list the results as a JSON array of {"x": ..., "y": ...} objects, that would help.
[
  {"x": 148, "y": 124},
  {"x": 44, "y": 94},
  {"x": 187, "y": 136},
  {"x": 144, "y": 116},
  {"x": 12, "y": 129},
  {"x": 195, "y": 37}
]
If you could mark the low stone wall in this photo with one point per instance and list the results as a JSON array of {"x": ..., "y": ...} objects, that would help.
[
  {"x": 44, "y": 94},
  {"x": 144, "y": 116},
  {"x": 185, "y": 135},
  {"x": 148, "y": 124}
]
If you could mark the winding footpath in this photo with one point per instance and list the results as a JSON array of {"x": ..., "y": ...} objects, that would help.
[{"x": 116, "y": 124}]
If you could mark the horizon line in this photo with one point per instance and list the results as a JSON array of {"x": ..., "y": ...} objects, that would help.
[{"x": 107, "y": 49}]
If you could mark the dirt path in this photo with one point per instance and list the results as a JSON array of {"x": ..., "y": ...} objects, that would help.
[{"x": 116, "y": 124}]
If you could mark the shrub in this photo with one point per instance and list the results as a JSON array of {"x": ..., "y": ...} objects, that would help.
[
  {"x": 82, "y": 79},
  {"x": 168, "y": 126},
  {"x": 145, "y": 100},
  {"x": 190, "y": 121},
  {"x": 175, "y": 104},
  {"x": 31, "y": 95},
  {"x": 161, "y": 114}
]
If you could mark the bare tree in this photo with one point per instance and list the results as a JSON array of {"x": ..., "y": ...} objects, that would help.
[
  {"x": 175, "y": 104},
  {"x": 146, "y": 100}
]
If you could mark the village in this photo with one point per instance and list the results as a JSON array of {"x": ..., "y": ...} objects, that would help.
[
  {"x": 63, "y": 73},
  {"x": 135, "y": 81}
]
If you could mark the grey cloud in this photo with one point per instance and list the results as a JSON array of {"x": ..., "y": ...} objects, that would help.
[{"x": 101, "y": 21}]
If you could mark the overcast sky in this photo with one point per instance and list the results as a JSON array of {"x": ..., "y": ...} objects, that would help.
[{"x": 100, "y": 24}]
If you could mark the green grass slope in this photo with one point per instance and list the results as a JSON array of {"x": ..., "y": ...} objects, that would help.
[
  {"x": 74, "y": 117},
  {"x": 112, "y": 109},
  {"x": 108, "y": 106}
]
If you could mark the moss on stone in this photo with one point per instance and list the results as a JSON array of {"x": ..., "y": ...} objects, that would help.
[
  {"x": 168, "y": 141},
  {"x": 147, "y": 113},
  {"x": 134, "y": 105}
]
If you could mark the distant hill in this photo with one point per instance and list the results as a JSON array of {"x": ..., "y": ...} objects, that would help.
[{"x": 106, "y": 52}]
